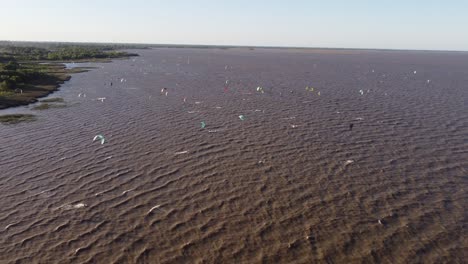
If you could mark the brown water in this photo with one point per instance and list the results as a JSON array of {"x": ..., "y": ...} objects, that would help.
[{"x": 274, "y": 188}]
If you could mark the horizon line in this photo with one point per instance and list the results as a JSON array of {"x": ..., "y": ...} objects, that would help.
[{"x": 180, "y": 45}]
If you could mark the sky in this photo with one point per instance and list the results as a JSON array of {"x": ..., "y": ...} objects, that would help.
[{"x": 384, "y": 24}]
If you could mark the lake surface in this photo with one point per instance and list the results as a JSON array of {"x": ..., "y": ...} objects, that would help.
[{"x": 368, "y": 166}]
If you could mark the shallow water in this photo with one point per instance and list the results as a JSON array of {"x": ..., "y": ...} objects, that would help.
[{"x": 289, "y": 183}]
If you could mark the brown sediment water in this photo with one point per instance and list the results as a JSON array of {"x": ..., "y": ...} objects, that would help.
[{"x": 290, "y": 183}]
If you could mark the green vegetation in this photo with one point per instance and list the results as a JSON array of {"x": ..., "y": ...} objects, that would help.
[
  {"x": 5, "y": 93},
  {"x": 55, "y": 45},
  {"x": 29, "y": 70},
  {"x": 22, "y": 83},
  {"x": 79, "y": 53},
  {"x": 24, "y": 53},
  {"x": 16, "y": 118},
  {"x": 53, "y": 100},
  {"x": 45, "y": 106},
  {"x": 60, "y": 52},
  {"x": 13, "y": 75}
]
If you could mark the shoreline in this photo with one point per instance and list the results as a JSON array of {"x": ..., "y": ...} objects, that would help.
[{"x": 57, "y": 74}]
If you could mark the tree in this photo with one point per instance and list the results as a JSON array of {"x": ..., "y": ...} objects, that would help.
[
  {"x": 11, "y": 66},
  {"x": 7, "y": 84}
]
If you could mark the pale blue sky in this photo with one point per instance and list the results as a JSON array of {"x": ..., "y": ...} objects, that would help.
[{"x": 397, "y": 24}]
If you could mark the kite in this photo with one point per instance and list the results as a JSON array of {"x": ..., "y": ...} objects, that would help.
[
  {"x": 154, "y": 207},
  {"x": 99, "y": 137}
]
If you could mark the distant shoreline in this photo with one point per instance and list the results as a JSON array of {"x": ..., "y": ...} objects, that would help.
[
  {"x": 30, "y": 73},
  {"x": 207, "y": 46},
  {"x": 31, "y": 93}
]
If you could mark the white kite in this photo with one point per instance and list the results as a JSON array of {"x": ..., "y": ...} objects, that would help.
[{"x": 99, "y": 137}]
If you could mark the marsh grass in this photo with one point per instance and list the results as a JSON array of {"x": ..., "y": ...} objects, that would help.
[
  {"x": 45, "y": 106},
  {"x": 16, "y": 118},
  {"x": 53, "y": 100}
]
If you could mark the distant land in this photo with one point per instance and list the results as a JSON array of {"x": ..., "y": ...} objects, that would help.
[
  {"x": 51, "y": 44},
  {"x": 34, "y": 69},
  {"x": 30, "y": 70}
]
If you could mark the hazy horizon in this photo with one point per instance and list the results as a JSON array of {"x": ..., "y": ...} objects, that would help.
[{"x": 420, "y": 25}]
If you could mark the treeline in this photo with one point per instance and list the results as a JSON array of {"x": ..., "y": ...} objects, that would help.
[
  {"x": 20, "y": 64},
  {"x": 12, "y": 75},
  {"x": 76, "y": 53},
  {"x": 62, "y": 53},
  {"x": 24, "y": 53},
  {"x": 56, "y": 45}
]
